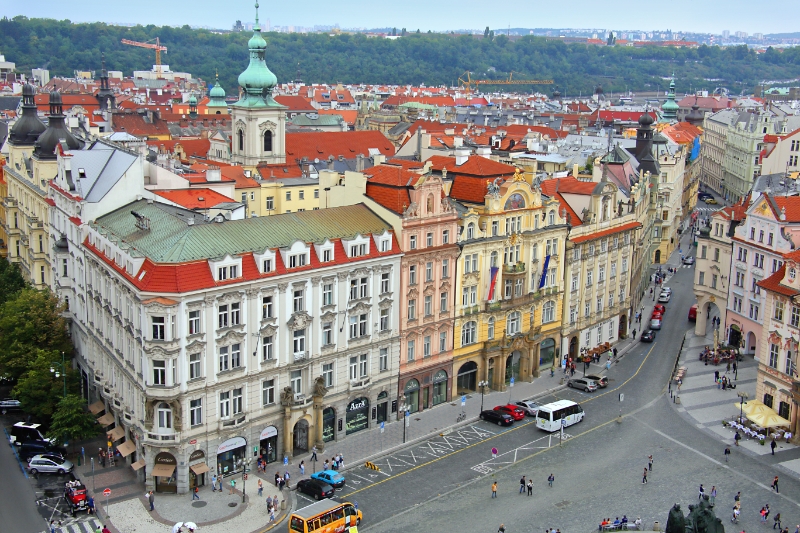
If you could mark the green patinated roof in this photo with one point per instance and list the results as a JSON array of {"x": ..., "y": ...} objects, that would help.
[
  {"x": 321, "y": 120},
  {"x": 417, "y": 105},
  {"x": 171, "y": 239}
]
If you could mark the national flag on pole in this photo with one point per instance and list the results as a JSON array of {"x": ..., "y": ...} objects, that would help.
[
  {"x": 544, "y": 272},
  {"x": 492, "y": 281}
]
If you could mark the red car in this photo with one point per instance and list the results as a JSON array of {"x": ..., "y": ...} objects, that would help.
[
  {"x": 657, "y": 315},
  {"x": 512, "y": 410},
  {"x": 660, "y": 308}
]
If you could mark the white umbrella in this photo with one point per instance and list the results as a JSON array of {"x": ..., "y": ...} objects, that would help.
[
  {"x": 177, "y": 527},
  {"x": 190, "y": 525}
]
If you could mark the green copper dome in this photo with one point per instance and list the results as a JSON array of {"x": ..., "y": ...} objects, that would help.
[
  {"x": 217, "y": 91},
  {"x": 669, "y": 109},
  {"x": 257, "y": 80},
  {"x": 193, "y": 100}
]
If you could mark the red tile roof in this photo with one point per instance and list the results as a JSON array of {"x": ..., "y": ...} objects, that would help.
[
  {"x": 322, "y": 144},
  {"x": 197, "y": 148},
  {"x": 194, "y": 198},
  {"x": 442, "y": 101},
  {"x": 295, "y": 103},
  {"x": 405, "y": 163},
  {"x": 86, "y": 101},
  {"x": 476, "y": 165},
  {"x": 790, "y": 203},
  {"x": 606, "y": 232},
  {"x": 569, "y": 185},
  {"x": 773, "y": 283},
  {"x": 714, "y": 103},
  {"x": 135, "y": 124},
  {"x": 278, "y": 172},
  {"x": 392, "y": 175},
  {"x": 623, "y": 116},
  {"x": 682, "y": 132},
  {"x": 394, "y": 199}
]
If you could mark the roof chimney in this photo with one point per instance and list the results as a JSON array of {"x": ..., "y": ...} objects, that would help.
[
  {"x": 213, "y": 173},
  {"x": 461, "y": 157}
]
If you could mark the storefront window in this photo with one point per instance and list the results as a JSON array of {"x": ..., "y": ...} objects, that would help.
[
  {"x": 328, "y": 424},
  {"x": 230, "y": 456},
  {"x": 268, "y": 444},
  {"x": 440, "y": 387},
  {"x": 357, "y": 415},
  {"x": 412, "y": 395},
  {"x": 547, "y": 352},
  {"x": 382, "y": 406},
  {"x": 164, "y": 472}
]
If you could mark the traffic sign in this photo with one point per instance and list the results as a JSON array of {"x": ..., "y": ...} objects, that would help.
[
  {"x": 382, "y": 424},
  {"x": 463, "y": 400},
  {"x": 621, "y": 396},
  {"x": 285, "y": 460},
  {"x": 512, "y": 381},
  {"x": 106, "y": 492}
]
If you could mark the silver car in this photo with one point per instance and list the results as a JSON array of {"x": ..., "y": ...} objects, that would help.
[
  {"x": 664, "y": 297},
  {"x": 49, "y": 463},
  {"x": 655, "y": 323},
  {"x": 530, "y": 408}
]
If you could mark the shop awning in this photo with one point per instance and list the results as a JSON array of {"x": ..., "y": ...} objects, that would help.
[
  {"x": 116, "y": 433},
  {"x": 126, "y": 448},
  {"x": 106, "y": 420},
  {"x": 200, "y": 468},
  {"x": 163, "y": 470},
  {"x": 96, "y": 407},
  {"x": 138, "y": 464}
]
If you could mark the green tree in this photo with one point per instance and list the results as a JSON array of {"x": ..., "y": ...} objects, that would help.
[
  {"x": 71, "y": 422},
  {"x": 486, "y": 33},
  {"x": 11, "y": 281},
  {"x": 31, "y": 321},
  {"x": 37, "y": 389}
]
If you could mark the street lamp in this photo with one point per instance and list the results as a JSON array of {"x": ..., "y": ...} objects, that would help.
[
  {"x": 405, "y": 415},
  {"x": 482, "y": 385},
  {"x": 61, "y": 370},
  {"x": 245, "y": 470},
  {"x": 742, "y": 396}
]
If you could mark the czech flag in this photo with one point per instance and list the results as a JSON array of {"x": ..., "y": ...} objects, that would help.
[{"x": 492, "y": 282}]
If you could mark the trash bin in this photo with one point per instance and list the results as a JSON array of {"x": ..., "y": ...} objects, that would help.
[
  {"x": 656, "y": 527},
  {"x": 283, "y": 505}
]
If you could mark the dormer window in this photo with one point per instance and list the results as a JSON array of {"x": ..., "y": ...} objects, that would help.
[
  {"x": 551, "y": 218},
  {"x": 471, "y": 230},
  {"x": 227, "y": 272},
  {"x": 297, "y": 260},
  {"x": 327, "y": 256},
  {"x": 357, "y": 250},
  {"x": 386, "y": 245},
  {"x": 267, "y": 266}
]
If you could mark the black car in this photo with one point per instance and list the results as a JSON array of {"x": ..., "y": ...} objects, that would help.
[
  {"x": 28, "y": 449},
  {"x": 648, "y": 336},
  {"x": 703, "y": 195},
  {"x": 496, "y": 417},
  {"x": 315, "y": 488}
]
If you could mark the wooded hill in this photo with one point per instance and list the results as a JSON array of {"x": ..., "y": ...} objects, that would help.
[{"x": 416, "y": 58}]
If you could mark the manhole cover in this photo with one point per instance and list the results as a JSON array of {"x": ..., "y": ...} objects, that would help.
[
  {"x": 562, "y": 504},
  {"x": 199, "y": 504},
  {"x": 232, "y": 504}
]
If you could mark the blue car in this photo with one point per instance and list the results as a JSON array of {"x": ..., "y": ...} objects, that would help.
[{"x": 331, "y": 477}]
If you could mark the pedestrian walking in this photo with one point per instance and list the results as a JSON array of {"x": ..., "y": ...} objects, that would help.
[
  {"x": 615, "y": 352},
  {"x": 644, "y": 477},
  {"x": 736, "y": 511},
  {"x": 530, "y": 486},
  {"x": 736, "y": 438},
  {"x": 302, "y": 468},
  {"x": 233, "y": 486},
  {"x": 494, "y": 489},
  {"x": 269, "y": 502},
  {"x": 766, "y": 515},
  {"x": 501, "y": 529},
  {"x": 260, "y": 488},
  {"x": 713, "y": 495},
  {"x": 313, "y": 454},
  {"x": 702, "y": 492},
  {"x": 777, "y": 523},
  {"x": 219, "y": 487},
  {"x": 214, "y": 483},
  {"x": 716, "y": 376},
  {"x": 550, "y": 480},
  {"x": 102, "y": 456},
  {"x": 634, "y": 334},
  {"x": 775, "y": 484},
  {"x": 151, "y": 500},
  {"x": 196, "y": 493},
  {"x": 272, "y": 515},
  {"x": 763, "y": 513},
  {"x": 650, "y": 462},
  {"x": 737, "y": 498},
  {"x": 773, "y": 445},
  {"x": 727, "y": 453},
  {"x": 522, "y": 485}
]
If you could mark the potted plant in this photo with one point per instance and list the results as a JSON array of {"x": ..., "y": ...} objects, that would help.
[{"x": 761, "y": 442}]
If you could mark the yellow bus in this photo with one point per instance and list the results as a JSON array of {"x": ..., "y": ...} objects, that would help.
[{"x": 327, "y": 516}]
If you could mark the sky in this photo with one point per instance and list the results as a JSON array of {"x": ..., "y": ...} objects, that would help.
[{"x": 676, "y": 15}]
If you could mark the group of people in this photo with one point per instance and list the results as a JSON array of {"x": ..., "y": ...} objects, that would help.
[
  {"x": 619, "y": 523},
  {"x": 723, "y": 382},
  {"x": 282, "y": 480},
  {"x": 336, "y": 462}
]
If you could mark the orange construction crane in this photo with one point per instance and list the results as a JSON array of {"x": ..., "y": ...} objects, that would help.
[
  {"x": 153, "y": 46},
  {"x": 468, "y": 83}
]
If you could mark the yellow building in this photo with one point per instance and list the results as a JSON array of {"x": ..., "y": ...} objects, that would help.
[
  {"x": 28, "y": 173},
  {"x": 509, "y": 285},
  {"x": 285, "y": 188}
]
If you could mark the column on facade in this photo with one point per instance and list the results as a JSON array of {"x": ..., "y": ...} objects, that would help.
[
  {"x": 534, "y": 355},
  {"x": 288, "y": 444},
  {"x": 318, "y": 407}
]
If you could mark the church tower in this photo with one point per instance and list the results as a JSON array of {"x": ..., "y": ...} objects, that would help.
[
  {"x": 259, "y": 122},
  {"x": 669, "y": 109},
  {"x": 105, "y": 95}
]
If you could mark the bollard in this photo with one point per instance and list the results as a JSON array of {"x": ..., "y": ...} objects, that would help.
[
  {"x": 656, "y": 526},
  {"x": 283, "y": 505},
  {"x": 678, "y": 400}
]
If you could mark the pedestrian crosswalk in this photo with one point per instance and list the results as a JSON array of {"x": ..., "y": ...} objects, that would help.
[
  {"x": 706, "y": 210},
  {"x": 81, "y": 525}
]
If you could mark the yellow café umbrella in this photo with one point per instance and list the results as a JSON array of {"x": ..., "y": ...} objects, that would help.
[
  {"x": 753, "y": 406},
  {"x": 768, "y": 419}
]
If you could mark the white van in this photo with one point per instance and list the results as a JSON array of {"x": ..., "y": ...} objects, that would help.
[{"x": 549, "y": 416}]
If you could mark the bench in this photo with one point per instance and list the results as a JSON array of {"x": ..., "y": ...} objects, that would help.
[{"x": 619, "y": 527}]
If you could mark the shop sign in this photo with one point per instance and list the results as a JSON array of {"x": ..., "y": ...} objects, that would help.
[
  {"x": 165, "y": 458},
  {"x": 193, "y": 441},
  {"x": 269, "y": 431},
  {"x": 358, "y": 403},
  {"x": 231, "y": 444},
  {"x": 197, "y": 454}
]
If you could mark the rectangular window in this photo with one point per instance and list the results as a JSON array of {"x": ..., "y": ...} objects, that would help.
[
  {"x": 222, "y": 317},
  {"x": 383, "y": 359},
  {"x": 238, "y": 404},
  {"x": 327, "y": 256},
  {"x": 412, "y": 275},
  {"x": 357, "y": 250},
  {"x": 428, "y": 305},
  {"x": 270, "y": 203},
  {"x": 778, "y": 315},
  {"x": 327, "y": 294},
  {"x": 443, "y": 297},
  {"x": 518, "y": 287},
  {"x": 363, "y": 366},
  {"x": 225, "y": 404},
  {"x": 795, "y": 320},
  {"x": 266, "y": 307},
  {"x": 327, "y": 334},
  {"x": 384, "y": 319},
  {"x": 302, "y": 195},
  {"x": 613, "y": 270},
  {"x": 236, "y": 355},
  {"x": 442, "y": 341},
  {"x": 158, "y": 328},
  {"x": 701, "y": 280},
  {"x": 410, "y": 351},
  {"x": 575, "y": 283},
  {"x": 288, "y": 195},
  {"x": 445, "y": 268},
  {"x": 716, "y": 254},
  {"x": 713, "y": 281},
  {"x": 774, "y": 353},
  {"x": 600, "y": 304},
  {"x": 327, "y": 374},
  {"x": 297, "y": 260},
  {"x": 194, "y": 322},
  {"x": 353, "y": 368},
  {"x": 412, "y": 242},
  {"x": 298, "y": 301},
  {"x": 316, "y": 193},
  {"x": 235, "y": 315},
  {"x": 224, "y": 358},
  {"x": 299, "y": 341},
  {"x": 195, "y": 370},
  {"x": 159, "y": 372},
  {"x": 268, "y": 392},
  {"x": 601, "y": 277},
  {"x": 429, "y": 271},
  {"x": 267, "y": 348},
  {"x": 297, "y": 381},
  {"x": 384, "y": 283},
  {"x": 412, "y": 309},
  {"x": 267, "y": 266},
  {"x": 196, "y": 412},
  {"x": 587, "y": 308},
  {"x": 446, "y": 236},
  {"x": 429, "y": 240}
]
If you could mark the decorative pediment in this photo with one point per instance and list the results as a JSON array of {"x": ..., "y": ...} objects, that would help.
[
  {"x": 267, "y": 330},
  {"x": 429, "y": 289},
  {"x": 359, "y": 272},
  {"x": 196, "y": 345},
  {"x": 359, "y": 308},
  {"x": 240, "y": 125},
  {"x": 413, "y": 293},
  {"x": 229, "y": 297},
  {"x": 197, "y": 304},
  {"x": 299, "y": 320},
  {"x": 386, "y": 303},
  {"x": 384, "y": 268},
  {"x": 471, "y": 277},
  {"x": 268, "y": 291},
  {"x": 231, "y": 337},
  {"x": 267, "y": 125},
  {"x": 328, "y": 316},
  {"x": 445, "y": 286},
  {"x": 163, "y": 351}
]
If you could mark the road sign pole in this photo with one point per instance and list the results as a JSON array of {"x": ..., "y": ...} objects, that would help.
[{"x": 107, "y": 493}]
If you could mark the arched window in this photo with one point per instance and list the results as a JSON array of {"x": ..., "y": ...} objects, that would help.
[
  {"x": 494, "y": 259},
  {"x": 548, "y": 312},
  {"x": 512, "y": 323},
  {"x": 468, "y": 333},
  {"x": 164, "y": 416},
  {"x": 240, "y": 136},
  {"x": 471, "y": 230},
  {"x": 490, "y": 328},
  {"x": 267, "y": 141},
  {"x": 429, "y": 209},
  {"x": 551, "y": 218}
]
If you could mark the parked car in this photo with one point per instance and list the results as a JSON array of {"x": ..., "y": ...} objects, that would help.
[
  {"x": 28, "y": 450},
  {"x": 693, "y": 313},
  {"x": 703, "y": 195},
  {"x": 667, "y": 290},
  {"x": 8, "y": 404},
  {"x": 655, "y": 323},
  {"x": 648, "y": 336},
  {"x": 710, "y": 200},
  {"x": 49, "y": 464},
  {"x": 530, "y": 408},
  {"x": 582, "y": 383},
  {"x": 496, "y": 417},
  {"x": 660, "y": 308},
  {"x": 688, "y": 260},
  {"x": 664, "y": 297},
  {"x": 515, "y": 412},
  {"x": 331, "y": 477},
  {"x": 602, "y": 381},
  {"x": 24, "y": 432},
  {"x": 656, "y": 314},
  {"x": 315, "y": 488},
  {"x": 75, "y": 496}
]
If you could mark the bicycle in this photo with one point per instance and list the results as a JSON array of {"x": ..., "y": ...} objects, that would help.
[{"x": 461, "y": 417}]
